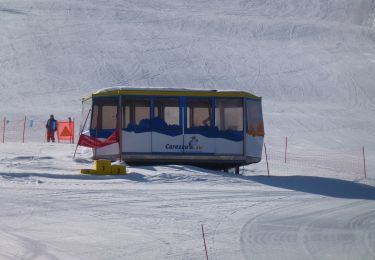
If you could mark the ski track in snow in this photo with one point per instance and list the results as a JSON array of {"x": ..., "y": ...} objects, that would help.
[{"x": 309, "y": 233}]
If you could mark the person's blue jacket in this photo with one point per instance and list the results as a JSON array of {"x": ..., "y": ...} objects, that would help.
[{"x": 51, "y": 125}]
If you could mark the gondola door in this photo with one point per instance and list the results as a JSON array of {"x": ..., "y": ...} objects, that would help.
[
  {"x": 166, "y": 122},
  {"x": 136, "y": 129},
  {"x": 199, "y": 133}
]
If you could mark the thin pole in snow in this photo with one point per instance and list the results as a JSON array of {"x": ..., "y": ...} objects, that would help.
[
  {"x": 57, "y": 127},
  {"x": 364, "y": 161},
  {"x": 24, "y": 127},
  {"x": 119, "y": 127},
  {"x": 4, "y": 129},
  {"x": 73, "y": 132},
  {"x": 204, "y": 241},
  {"x": 83, "y": 128},
  {"x": 265, "y": 151},
  {"x": 70, "y": 129},
  {"x": 286, "y": 147}
]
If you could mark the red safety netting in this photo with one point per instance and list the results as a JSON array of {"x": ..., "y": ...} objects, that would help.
[{"x": 92, "y": 142}]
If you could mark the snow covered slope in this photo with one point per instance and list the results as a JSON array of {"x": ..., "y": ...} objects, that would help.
[
  {"x": 313, "y": 61},
  {"x": 294, "y": 50}
]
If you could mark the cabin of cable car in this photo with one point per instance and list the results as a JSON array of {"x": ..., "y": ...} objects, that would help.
[{"x": 208, "y": 128}]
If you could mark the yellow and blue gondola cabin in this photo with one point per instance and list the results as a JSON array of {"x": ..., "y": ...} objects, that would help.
[{"x": 208, "y": 128}]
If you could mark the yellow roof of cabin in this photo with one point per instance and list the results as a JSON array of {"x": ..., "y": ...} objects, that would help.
[{"x": 143, "y": 91}]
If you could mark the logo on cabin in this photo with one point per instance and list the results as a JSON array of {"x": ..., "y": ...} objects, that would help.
[{"x": 193, "y": 145}]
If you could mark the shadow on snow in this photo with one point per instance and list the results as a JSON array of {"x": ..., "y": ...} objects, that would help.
[{"x": 318, "y": 185}]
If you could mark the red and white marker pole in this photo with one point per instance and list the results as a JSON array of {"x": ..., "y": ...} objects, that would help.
[
  {"x": 364, "y": 161},
  {"x": 24, "y": 128},
  {"x": 286, "y": 147},
  {"x": 4, "y": 129}
]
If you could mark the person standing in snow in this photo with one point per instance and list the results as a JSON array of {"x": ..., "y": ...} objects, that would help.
[{"x": 51, "y": 129}]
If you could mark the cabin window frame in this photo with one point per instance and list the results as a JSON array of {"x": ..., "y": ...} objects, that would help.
[
  {"x": 97, "y": 117},
  {"x": 254, "y": 124},
  {"x": 189, "y": 116},
  {"x": 179, "y": 126},
  {"x": 241, "y": 119},
  {"x": 132, "y": 116}
]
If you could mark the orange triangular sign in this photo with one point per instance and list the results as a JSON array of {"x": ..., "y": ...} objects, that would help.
[{"x": 65, "y": 132}]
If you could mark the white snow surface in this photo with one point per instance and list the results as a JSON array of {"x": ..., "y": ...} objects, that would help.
[
  {"x": 50, "y": 211},
  {"x": 312, "y": 61}
]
